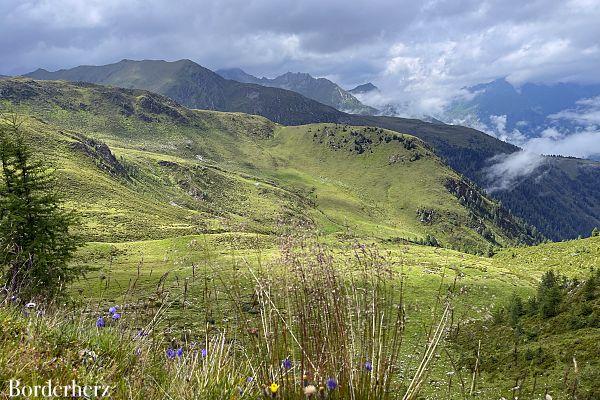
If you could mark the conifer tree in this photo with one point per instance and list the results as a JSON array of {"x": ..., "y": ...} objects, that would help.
[{"x": 35, "y": 240}]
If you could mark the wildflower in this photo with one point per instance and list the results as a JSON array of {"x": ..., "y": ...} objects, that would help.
[
  {"x": 116, "y": 316},
  {"x": 368, "y": 366},
  {"x": 310, "y": 390},
  {"x": 250, "y": 379},
  {"x": 170, "y": 353},
  {"x": 138, "y": 352},
  {"x": 273, "y": 387},
  {"x": 204, "y": 353},
  {"x": 100, "y": 323},
  {"x": 548, "y": 397},
  {"x": 112, "y": 310},
  {"x": 30, "y": 305},
  {"x": 179, "y": 352},
  {"x": 287, "y": 363},
  {"x": 87, "y": 356},
  {"x": 331, "y": 384}
]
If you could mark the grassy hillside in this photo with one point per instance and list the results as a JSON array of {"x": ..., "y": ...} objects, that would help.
[
  {"x": 543, "y": 341},
  {"x": 560, "y": 198},
  {"x": 140, "y": 167}
]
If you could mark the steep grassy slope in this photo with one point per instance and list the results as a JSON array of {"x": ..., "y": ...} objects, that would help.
[{"x": 126, "y": 153}]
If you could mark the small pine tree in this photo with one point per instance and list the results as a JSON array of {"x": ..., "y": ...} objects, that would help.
[
  {"x": 490, "y": 251},
  {"x": 549, "y": 294},
  {"x": 516, "y": 310},
  {"x": 35, "y": 241}
]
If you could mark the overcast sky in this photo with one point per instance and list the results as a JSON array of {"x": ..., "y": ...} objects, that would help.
[{"x": 424, "y": 49}]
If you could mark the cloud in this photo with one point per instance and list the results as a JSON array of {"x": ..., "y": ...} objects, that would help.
[
  {"x": 507, "y": 170},
  {"x": 583, "y": 144},
  {"x": 419, "y": 53},
  {"x": 587, "y": 114}
]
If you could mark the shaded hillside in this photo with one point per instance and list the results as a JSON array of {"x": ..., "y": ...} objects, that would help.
[
  {"x": 319, "y": 89},
  {"x": 137, "y": 165},
  {"x": 197, "y": 87},
  {"x": 565, "y": 185},
  {"x": 561, "y": 198}
]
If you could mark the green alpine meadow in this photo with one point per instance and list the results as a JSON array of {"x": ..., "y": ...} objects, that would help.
[{"x": 369, "y": 201}]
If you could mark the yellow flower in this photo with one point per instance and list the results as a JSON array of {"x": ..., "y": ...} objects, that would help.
[{"x": 274, "y": 387}]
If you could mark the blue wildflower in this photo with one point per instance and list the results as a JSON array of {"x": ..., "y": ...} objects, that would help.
[
  {"x": 368, "y": 366},
  {"x": 170, "y": 353},
  {"x": 331, "y": 384},
  {"x": 287, "y": 363},
  {"x": 100, "y": 323},
  {"x": 116, "y": 316},
  {"x": 204, "y": 353},
  {"x": 179, "y": 352},
  {"x": 250, "y": 379},
  {"x": 112, "y": 310}
]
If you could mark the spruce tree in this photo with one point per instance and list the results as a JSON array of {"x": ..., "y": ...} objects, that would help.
[{"x": 35, "y": 240}]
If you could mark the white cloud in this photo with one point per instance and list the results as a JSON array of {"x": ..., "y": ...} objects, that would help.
[
  {"x": 507, "y": 170},
  {"x": 587, "y": 114},
  {"x": 583, "y": 144}
]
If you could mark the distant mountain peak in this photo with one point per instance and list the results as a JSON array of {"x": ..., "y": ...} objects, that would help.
[{"x": 364, "y": 88}]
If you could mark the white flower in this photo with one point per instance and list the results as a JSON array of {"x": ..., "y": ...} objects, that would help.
[
  {"x": 30, "y": 305},
  {"x": 310, "y": 390},
  {"x": 548, "y": 397}
]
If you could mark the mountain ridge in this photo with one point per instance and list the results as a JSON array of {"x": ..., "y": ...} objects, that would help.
[{"x": 320, "y": 89}]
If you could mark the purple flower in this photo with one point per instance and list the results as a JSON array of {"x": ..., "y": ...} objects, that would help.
[
  {"x": 179, "y": 352},
  {"x": 170, "y": 353},
  {"x": 250, "y": 379},
  {"x": 368, "y": 366},
  {"x": 112, "y": 310},
  {"x": 100, "y": 323},
  {"x": 331, "y": 384},
  {"x": 116, "y": 316},
  {"x": 204, "y": 353},
  {"x": 287, "y": 363}
]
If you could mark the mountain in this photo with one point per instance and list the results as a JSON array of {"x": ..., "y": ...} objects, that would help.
[
  {"x": 364, "y": 88},
  {"x": 529, "y": 109},
  {"x": 137, "y": 166},
  {"x": 239, "y": 75},
  {"x": 319, "y": 89},
  {"x": 561, "y": 196},
  {"x": 197, "y": 87}
]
